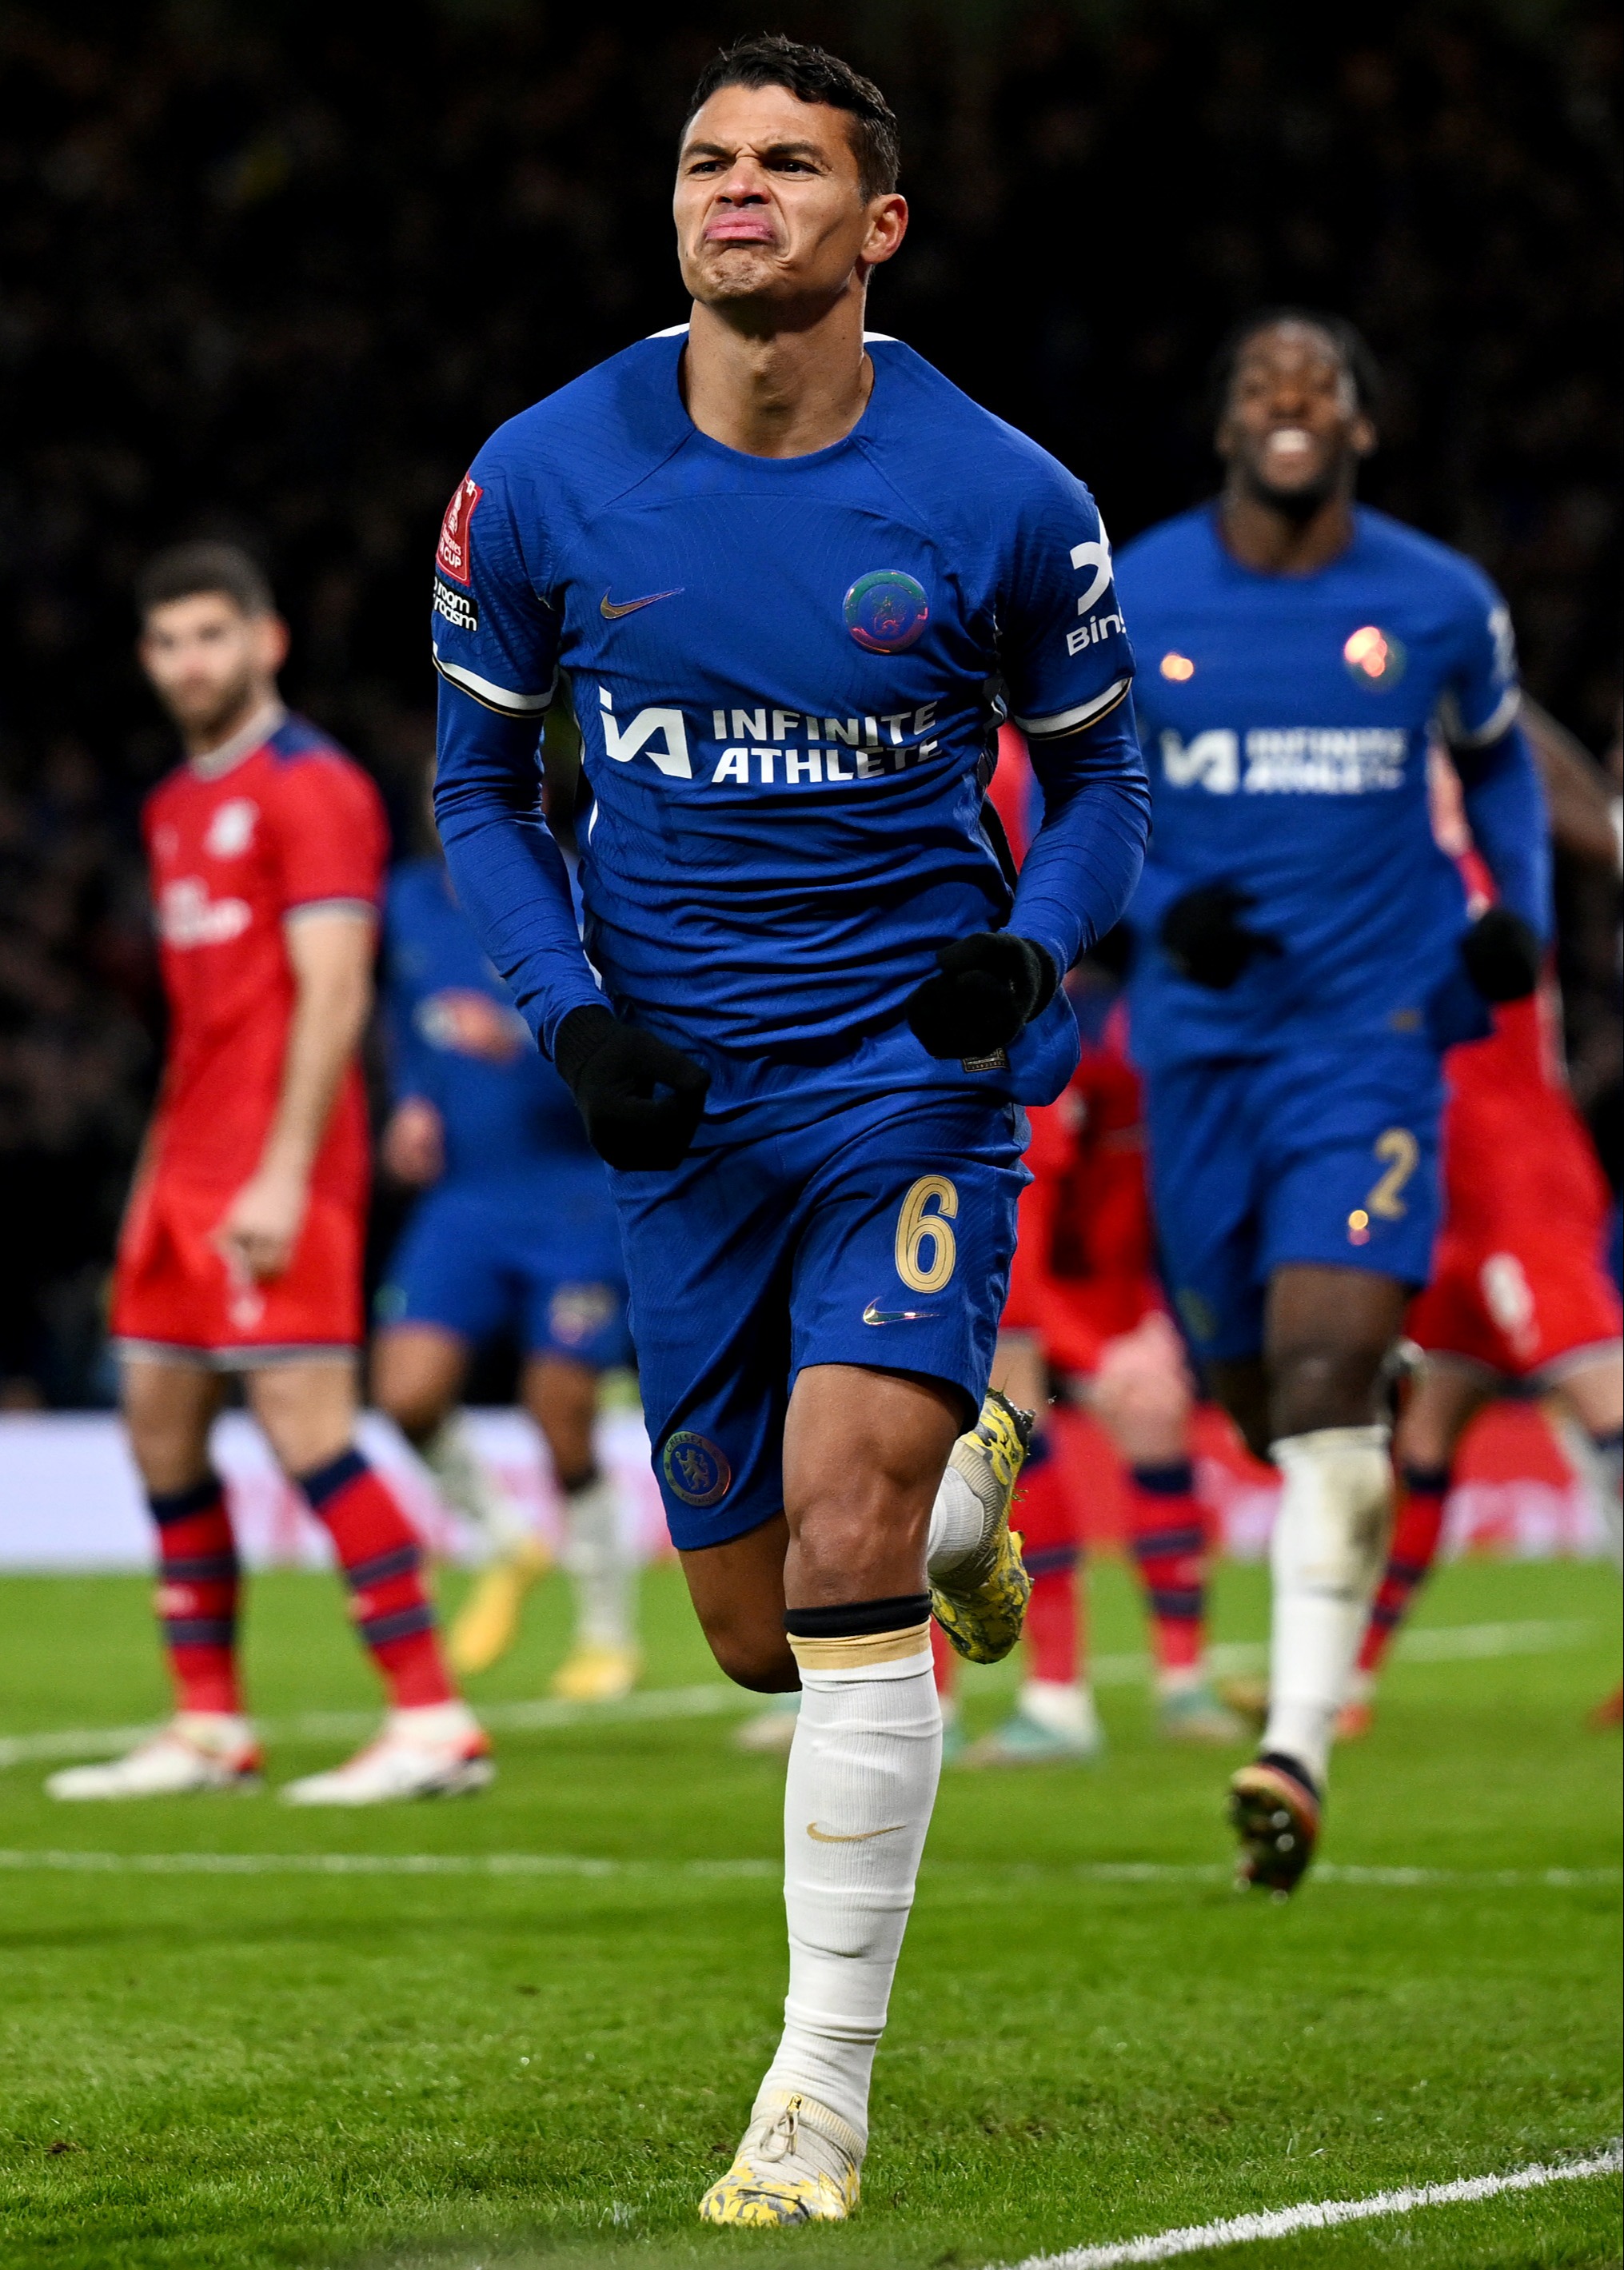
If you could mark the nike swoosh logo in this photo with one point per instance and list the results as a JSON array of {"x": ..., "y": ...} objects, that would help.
[
  {"x": 612, "y": 610},
  {"x": 862, "y": 1836},
  {"x": 873, "y": 1315}
]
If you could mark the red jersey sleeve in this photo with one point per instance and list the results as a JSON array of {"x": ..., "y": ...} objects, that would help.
[{"x": 331, "y": 836}]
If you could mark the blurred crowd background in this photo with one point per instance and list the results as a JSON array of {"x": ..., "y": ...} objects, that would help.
[{"x": 274, "y": 270}]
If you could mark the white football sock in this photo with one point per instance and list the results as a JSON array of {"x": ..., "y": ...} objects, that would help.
[
  {"x": 595, "y": 1555},
  {"x": 1329, "y": 1549},
  {"x": 959, "y": 1522},
  {"x": 857, "y": 1798},
  {"x": 1599, "y": 1464},
  {"x": 469, "y": 1488}
]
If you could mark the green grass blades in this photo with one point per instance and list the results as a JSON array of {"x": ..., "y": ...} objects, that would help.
[{"x": 544, "y": 2061}]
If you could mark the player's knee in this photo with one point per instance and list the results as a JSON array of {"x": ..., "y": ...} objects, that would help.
[
  {"x": 1322, "y": 1383},
  {"x": 755, "y": 1656},
  {"x": 416, "y": 1411}
]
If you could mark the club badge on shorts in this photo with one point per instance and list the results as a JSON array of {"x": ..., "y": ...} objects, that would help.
[{"x": 695, "y": 1470}]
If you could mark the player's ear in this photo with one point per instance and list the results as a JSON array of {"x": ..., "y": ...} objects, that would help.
[
  {"x": 888, "y": 225},
  {"x": 1363, "y": 435},
  {"x": 272, "y": 641}
]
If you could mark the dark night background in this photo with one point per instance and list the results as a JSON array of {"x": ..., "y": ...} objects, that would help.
[{"x": 275, "y": 271}]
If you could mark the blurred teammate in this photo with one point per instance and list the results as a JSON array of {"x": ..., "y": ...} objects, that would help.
[
  {"x": 781, "y": 565},
  {"x": 1304, "y": 953},
  {"x": 1520, "y": 1294},
  {"x": 241, "y": 1247},
  {"x": 515, "y": 1231}
]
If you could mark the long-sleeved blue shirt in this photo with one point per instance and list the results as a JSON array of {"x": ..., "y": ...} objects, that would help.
[
  {"x": 788, "y": 673},
  {"x": 1286, "y": 722}
]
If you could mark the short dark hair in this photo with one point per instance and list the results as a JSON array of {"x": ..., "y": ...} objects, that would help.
[
  {"x": 184, "y": 571},
  {"x": 767, "y": 59},
  {"x": 1349, "y": 342}
]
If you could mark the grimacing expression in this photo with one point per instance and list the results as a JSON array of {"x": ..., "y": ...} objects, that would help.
[
  {"x": 769, "y": 203},
  {"x": 206, "y": 659},
  {"x": 1292, "y": 426}
]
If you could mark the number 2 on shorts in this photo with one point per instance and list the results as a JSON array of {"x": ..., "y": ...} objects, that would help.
[
  {"x": 1401, "y": 1153},
  {"x": 915, "y": 1228}
]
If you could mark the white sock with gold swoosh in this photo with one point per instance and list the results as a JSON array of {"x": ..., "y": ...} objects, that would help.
[{"x": 857, "y": 1798}]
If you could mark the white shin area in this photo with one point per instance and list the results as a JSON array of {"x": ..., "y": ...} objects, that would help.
[
  {"x": 598, "y": 1557},
  {"x": 471, "y": 1488},
  {"x": 1328, "y": 1549},
  {"x": 857, "y": 1799}
]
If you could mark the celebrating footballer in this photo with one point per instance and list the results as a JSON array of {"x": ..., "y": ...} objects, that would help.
[{"x": 793, "y": 577}]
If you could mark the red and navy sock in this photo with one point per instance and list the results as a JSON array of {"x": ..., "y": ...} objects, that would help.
[
  {"x": 196, "y": 1600},
  {"x": 1418, "y": 1524},
  {"x": 1051, "y": 1551},
  {"x": 1170, "y": 1547},
  {"x": 382, "y": 1563}
]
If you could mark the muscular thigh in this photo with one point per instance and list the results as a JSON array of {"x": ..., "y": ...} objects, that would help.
[{"x": 877, "y": 1238}]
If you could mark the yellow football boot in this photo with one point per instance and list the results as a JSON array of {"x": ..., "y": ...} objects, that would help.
[
  {"x": 799, "y": 2163},
  {"x": 981, "y": 1602},
  {"x": 594, "y": 1673},
  {"x": 487, "y": 1622}
]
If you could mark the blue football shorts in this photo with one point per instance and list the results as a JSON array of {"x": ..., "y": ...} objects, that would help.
[
  {"x": 1326, "y": 1155},
  {"x": 881, "y": 1235},
  {"x": 542, "y": 1263}
]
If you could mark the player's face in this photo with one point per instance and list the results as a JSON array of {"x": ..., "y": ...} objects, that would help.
[
  {"x": 1293, "y": 428},
  {"x": 768, "y": 203},
  {"x": 211, "y": 665}
]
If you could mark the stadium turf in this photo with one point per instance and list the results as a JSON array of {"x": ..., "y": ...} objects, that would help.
[{"x": 488, "y": 2066}]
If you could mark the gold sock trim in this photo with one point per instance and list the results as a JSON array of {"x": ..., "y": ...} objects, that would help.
[{"x": 858, "y": 1650}]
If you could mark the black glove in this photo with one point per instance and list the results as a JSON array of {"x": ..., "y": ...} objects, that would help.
[
  {"x": 990, "y": 987},
  {"x": 1501, "y": 954},
  {"x": 616, "y": 1075},
  {"x": 1203, "y": 937}
]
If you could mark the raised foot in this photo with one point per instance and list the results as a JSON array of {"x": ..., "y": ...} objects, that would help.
[
  {"x": 797, "y": 2162},
  {"x": 1274, "y": 1811},
  {"x": 981, "y": 1603}
]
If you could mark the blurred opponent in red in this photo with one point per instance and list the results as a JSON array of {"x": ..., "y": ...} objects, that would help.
[{"x": 241, "y": 1247}]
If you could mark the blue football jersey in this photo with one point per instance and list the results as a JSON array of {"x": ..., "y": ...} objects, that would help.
[
  {"x": 456, "y": 1040},
  {"x": 1285, "y": 721},
  {"x": 787, "y": 674}
]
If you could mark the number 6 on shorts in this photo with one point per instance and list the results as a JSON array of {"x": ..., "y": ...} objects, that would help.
[{"x": 915, "y": 1227}]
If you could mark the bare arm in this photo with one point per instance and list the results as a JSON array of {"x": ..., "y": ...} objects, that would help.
[
  {"x": 1576, "y": 789},
  {"x": 330, "y": 950}
]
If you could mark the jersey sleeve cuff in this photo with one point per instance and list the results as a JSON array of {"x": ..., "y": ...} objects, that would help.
[
  {"x": 502, "y": 699},
  {"x": 1072, "y": 721},
  {"x": 1500, "y": 720}
]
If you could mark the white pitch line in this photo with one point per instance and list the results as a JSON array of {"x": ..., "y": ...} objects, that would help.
[
  {"x": 68, "y": 1862},
  {"x": 1323, "y": 2215},
  {"x": 1438, "y": 1643}
]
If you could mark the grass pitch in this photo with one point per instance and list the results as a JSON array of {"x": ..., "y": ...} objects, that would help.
[{"x": 480, "y": 2068}]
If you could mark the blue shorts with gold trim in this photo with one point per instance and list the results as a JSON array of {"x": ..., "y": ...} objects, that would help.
[
  {"x": 1324, "y": 1155},
  {"x": 879, "y": 1233}
]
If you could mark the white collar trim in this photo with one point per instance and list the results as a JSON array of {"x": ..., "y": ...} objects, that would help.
[{"x": 243, "y": 742}]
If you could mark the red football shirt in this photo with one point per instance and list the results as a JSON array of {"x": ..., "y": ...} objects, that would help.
[{"x": 293, "y": 823}]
